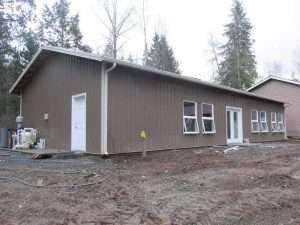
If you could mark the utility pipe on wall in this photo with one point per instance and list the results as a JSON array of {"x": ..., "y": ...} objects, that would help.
[
  {"x": 104, "y": 106},
  {"x": 114, "y": 65}
]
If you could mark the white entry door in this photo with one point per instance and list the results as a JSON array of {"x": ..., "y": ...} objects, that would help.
[
  {"x": 234, "y": 126},
  {"x": 78, "y": 129}
]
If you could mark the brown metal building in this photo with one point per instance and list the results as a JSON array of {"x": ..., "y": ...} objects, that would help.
[
  {"x": 283, "y": 90},
  {"x": 81, "y": 101}
]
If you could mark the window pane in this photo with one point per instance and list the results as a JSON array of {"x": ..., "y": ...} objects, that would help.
[
  {"x": 254, "y": 115},
  {"x": 255, "y": 126},
  {"x": 279, "y": 117},
  {"x": 189, "y": 109},
  {"x": 274, "y": 126},
  {"x": 235, "y": 122},
  {"x": 190, "y": 125},
  {"x": 280, "y": 127},
  {"x": 264, "y": 126},
  {"x": 263, "y": 116},
  {"x": 208, "y": 125},
  {"x": 207, "y": 110},
  {"x": 273, "y": 117}
]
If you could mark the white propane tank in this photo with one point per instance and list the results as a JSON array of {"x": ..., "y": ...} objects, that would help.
[
  {"x": 26, "y": 137},
  {"x": 30, "y": 135},
  {"x": 42, "y": 144}
]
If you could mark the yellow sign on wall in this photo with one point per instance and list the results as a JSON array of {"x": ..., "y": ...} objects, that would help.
[{"x": 143, "y": 134}]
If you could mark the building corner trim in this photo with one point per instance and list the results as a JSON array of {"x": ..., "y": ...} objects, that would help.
[
  {"x": 285, "y": 121},
  {"x": 21, "y": 104}
]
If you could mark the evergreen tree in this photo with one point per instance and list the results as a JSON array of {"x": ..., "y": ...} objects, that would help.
[
  {"x": 15, "y": 20},
  {"x": 161, "y": 55},
  {"x": 4, "y": 49},
  {"x": 31, "y": 46},
  {"x": 238, "y": 68},
  {"x": 59, "y": 28}
]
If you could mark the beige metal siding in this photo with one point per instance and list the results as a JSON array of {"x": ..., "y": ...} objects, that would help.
[
  {"x": 289, "y": 93},
  {"x": 50, "y": 91},
  {"x": 153, "y": 103}
]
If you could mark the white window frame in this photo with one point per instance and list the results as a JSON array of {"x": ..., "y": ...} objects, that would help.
[
  {"x": 265, "y": 121},
  {"x": 255, "y": 121},
  {"x": 208, "y": 118},
  {"x": 190, "y": 117},
  {"x": 274, "y": 122},
  {"x": 280, "y": 122}
]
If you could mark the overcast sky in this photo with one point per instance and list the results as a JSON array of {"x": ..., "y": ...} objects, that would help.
[{"x": 189, "y": 24}]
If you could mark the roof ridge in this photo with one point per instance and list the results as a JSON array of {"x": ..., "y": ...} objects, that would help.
[{"x": 273, "y": 77}]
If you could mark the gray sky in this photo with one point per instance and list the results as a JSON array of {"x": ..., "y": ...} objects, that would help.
[{"x": 189, "y": 24}]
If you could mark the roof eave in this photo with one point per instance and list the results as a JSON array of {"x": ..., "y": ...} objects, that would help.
[
  {"x": 13, "y": 87},
  {"x": 133, "y": 66},
  {"x": 188, "y": 79}
]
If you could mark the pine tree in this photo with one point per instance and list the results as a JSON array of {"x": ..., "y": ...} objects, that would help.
[
  {"x": 59, "y": 28},
  {"x": 15, "y": 20},
  {"x": 4, "y": 48},
  {"x": 161, "y": 55},
  {"x": 238, "y": 68},
  {"x": 31, "y": 46}
]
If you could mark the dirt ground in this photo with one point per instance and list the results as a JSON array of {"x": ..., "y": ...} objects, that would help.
[{"x": 255, "y": 185}]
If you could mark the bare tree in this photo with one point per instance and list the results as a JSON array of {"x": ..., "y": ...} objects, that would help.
[
  {"x": 145, "y": 28},
  {"x": 213, "y": 48},
  {"x": 296, "y": 63},
  {"x": 274, "y": 68},
  {"x": 117, "y": 24}
]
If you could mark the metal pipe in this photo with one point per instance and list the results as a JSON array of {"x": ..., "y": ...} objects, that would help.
[
  {"x": 104, "y": 107},
  {"x": 114, "y": 65}
]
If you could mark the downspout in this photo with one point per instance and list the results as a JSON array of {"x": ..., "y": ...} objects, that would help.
[
  {"x": 114, "y": 65},
  {"x": 104, "y": 106}
]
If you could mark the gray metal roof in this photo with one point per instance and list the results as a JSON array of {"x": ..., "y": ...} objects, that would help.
[
  {"x": 17, "y": 86},
  {"x": 271, "y": 77}
]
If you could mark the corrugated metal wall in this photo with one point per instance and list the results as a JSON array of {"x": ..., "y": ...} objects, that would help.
[
  {"x": 50, "y": 91},
  {"x": 153, "y": 103},
  {"x": 136, "y": 102}
]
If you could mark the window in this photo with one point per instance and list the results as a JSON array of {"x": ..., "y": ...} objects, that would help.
[
  {"x": 208, "y": 123},
  {"x": 254, "y": 121},
  {"x": 263, "y": 121},
  {"x": 190, "y": 122},
  {"x": 280, "y": 126},
  {"x": 274, "y": 126}
]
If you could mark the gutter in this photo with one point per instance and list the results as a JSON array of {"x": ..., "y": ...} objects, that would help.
[
  {"x": 104, "y": 106},
  {"x": 111, "y": 68}
]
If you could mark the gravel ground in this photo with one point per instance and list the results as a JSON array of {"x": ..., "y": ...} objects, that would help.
[{"x": 258, "y": 184}]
